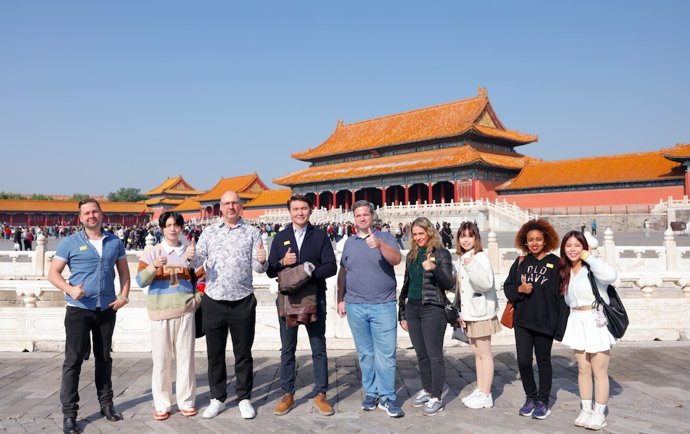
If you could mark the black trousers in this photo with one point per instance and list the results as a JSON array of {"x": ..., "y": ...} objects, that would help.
[
  {"x": 240, "y": 318},
  {"x": 317, "y": 340},
  {"x": 526, "y": 342},
  {"x": 426, "y": 324},
  {"x": 79, "y": 324}
]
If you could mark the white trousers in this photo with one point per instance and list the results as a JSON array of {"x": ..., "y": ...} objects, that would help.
[{"x": 173, "y": 339}]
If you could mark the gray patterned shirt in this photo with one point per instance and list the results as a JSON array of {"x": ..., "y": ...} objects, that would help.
[{"x": 230, "y": 255}]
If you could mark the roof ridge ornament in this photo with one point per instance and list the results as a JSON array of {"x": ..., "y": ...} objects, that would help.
[{"x": 481, "y": 91}]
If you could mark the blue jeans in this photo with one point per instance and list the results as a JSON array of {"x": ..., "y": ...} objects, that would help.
[{"x": 374, "y": 329}]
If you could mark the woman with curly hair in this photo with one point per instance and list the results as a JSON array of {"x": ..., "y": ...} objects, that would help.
[
  {"x": 586, "y": 332},
  {"x": 428, "y": 275},
  {"x": 533, "y": 285}
]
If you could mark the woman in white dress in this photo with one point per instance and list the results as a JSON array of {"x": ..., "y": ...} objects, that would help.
[{"x": 586, "y": 332}]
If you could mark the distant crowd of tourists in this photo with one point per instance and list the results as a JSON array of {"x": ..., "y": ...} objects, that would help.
[{"x": 198, "y": 282}]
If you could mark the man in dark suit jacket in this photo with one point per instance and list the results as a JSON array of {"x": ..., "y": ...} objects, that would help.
[{"x": 297, "y": 243}]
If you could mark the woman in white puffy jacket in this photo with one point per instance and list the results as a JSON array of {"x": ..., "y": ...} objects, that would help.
[{"x": 479, "y": 308}]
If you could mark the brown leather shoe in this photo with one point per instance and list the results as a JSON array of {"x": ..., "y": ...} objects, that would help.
[
  {"x": 287, "y": 402},
  {"x": 321, "y": 404}
]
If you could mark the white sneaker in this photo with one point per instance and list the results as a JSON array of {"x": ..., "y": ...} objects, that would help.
[
  {"x": 213, "y": 409},
  {"x": 584, "y": 416},
  {"x": 471, "y": 395},
  {"x": 246, "y": 409},
  {"x": 596, "y": 421},
  {"x": 480, "y": 400}
]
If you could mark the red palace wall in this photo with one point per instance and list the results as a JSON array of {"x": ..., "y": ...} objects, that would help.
[{"x": 617, "y": 196}]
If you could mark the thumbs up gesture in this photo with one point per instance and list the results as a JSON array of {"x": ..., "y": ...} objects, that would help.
[
  {"x": 372, "y": 241},
  {"x": 524, "y": 288},
  {"x": 190, "y": 251},
  {"x": 429, "y": 264},
  {"x": 261, "y": 252},
  {"x": 289, "y": 258},
  {"x": 160, "y": 260}
]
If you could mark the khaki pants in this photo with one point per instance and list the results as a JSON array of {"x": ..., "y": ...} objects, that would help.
[{"x": 173, "y": 339}]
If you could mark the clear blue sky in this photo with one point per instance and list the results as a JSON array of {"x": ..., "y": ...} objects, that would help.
[{"x": 95, "y": 96}]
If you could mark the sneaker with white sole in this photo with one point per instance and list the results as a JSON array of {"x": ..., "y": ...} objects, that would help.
[
  {"x": 596, "y": 421},
  {"x": 246, "y": 409},
  {"x": 213, "y": 409},
  {"x": 471, "y": 395},
  {"x": 583, "y": 417},
  {"x": 391, "y": 408},
  {"x": 432, "y": 407},
  {"x": 420, "y": 398},
  {"x": 480, "y": 400},
  {"x": 541, "y": 411}
]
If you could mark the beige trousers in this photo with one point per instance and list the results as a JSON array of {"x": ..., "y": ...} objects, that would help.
[{"x": 173, "y": 339}]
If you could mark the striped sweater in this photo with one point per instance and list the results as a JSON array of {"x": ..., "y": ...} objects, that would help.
[{"x": 170, "y": 293}]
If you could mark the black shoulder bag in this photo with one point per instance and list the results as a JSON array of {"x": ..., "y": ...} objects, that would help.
[{"x": 616, "y": 316}]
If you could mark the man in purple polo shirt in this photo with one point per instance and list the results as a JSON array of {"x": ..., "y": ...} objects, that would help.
[
  {"x": 91, "y": 255},
  {"x": 366, "y": 294}
]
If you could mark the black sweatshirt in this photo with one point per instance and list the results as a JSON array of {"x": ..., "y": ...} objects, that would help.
[{"x": 544, "y": 310}]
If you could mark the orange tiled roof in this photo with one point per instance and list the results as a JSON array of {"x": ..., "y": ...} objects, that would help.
[
  {"x": 404, "y": 163},
  {"x": 247, "y": 186},
  {"x": 70, "y": 206},
  {"x": 187, "y": 205},
  {"x": 176, "y": 185},
  {"x": 611, "y": 169},
  {"x": 270, "y": 198},
  {"x": 678, "y": 153},
  {"x": 473, "y": 115},
  {"x": 162, "y": 201}
]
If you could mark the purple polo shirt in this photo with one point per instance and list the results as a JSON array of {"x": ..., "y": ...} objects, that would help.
[{"x": 370, "y": 278}]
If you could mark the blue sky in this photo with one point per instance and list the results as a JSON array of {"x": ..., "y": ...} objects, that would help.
[{"x": 95, "y": 96}]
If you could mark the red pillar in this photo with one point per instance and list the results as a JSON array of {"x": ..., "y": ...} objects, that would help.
[
  {"x": 687, "y": 181},
  {"x": 456, "y": 193},
  {"x": 407, "y": 194},
  {"x": 333, "y": 199},
  {"x": 431, "y": 194},
  {"x": 316, "y": 202},
  {"x": 353, "y": 197},
  {"x": 383, "y": 196}
]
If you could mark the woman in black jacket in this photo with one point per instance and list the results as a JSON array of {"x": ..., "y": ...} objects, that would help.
[
  {"x": 540, "y": 311},
  {"x": 428, "y": 274}
]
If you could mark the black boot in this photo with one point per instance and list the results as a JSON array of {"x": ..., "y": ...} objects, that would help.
[
  {"x": 69, "y": 425},
  {"x": 109, "y": 412}
]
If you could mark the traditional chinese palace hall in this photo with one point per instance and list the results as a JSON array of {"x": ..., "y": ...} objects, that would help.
[{"x": 462, "y": 151}]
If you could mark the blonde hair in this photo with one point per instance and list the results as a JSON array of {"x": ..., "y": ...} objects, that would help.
[{"x": 434, "y": 238}]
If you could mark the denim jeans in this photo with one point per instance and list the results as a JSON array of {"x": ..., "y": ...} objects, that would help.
[
  {"x": 427, "y": 324},
  {"x": 374, "y": 329},
  {"x": 79, "y": 324},
  {"x": 317, "y": 340},
  {"x": 240, "y": 318}
]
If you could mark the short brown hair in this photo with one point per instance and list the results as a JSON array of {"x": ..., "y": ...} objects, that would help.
[
  {"x": 551, "y": 241},
  {"x": 472, "y": 228},
  {"x": 89, "y": 200},
  {"x": 299, "y": 198}
]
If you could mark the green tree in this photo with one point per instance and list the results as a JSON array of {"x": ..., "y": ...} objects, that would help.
[
  {"x": 38, "y": 196},
  {"x": 13, "y": 196},
  {"x": 126, "y": 195},
  {"x": 78, "y": 197}
]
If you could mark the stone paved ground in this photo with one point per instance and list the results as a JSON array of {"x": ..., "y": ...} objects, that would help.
[{"x": 649, "y": 384}]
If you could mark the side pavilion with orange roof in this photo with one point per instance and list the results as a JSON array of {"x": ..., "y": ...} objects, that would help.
[
  {"x": 623, "y": 179},
  {"x": 171, "y": 193},
  {"x": 449, "y": 152},
  {"x": 267, "y": 200},
  {"x": 66, "y": 213},
  {"x": 247, "y": 187}
]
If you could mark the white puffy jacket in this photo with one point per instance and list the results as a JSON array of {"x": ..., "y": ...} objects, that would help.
[{"x": 478, "y": 300}]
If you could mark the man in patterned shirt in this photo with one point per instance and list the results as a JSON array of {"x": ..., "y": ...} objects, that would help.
[{"x": 232, "y": 249}]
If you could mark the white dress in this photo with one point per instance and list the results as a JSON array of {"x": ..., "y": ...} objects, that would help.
[{"x": 582, "y": 332}]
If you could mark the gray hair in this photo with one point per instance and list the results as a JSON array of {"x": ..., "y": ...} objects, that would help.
[{"x": 361, "y": 203}]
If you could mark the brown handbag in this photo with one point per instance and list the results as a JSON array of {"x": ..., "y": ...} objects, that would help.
[{"x": 509, "y": 312}]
